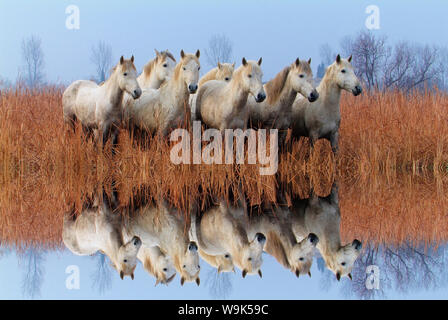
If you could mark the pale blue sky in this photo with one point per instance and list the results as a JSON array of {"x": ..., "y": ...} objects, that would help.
[{"x": 279, "y": 31}]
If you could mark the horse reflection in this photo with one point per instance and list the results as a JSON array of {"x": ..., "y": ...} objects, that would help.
[
  {"x": 223, "y": 232},
  {"x": 98, "y": 228},
  {"x": 163, "y": 226},
  {"x": 321, "y": 216}
]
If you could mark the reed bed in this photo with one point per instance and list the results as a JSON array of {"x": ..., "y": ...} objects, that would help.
[{"x": 390, "y": 168}]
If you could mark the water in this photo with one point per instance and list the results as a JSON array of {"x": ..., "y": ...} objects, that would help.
[{"x": 403, "y": 252}]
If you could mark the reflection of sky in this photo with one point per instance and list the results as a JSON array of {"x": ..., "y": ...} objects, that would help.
[{"x": 277, "y": 282}]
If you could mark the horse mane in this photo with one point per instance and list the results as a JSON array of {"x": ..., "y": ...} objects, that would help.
[
  {"x": 147, "y": 69},
  {"x": 211, "y": 75},
  {"x": 276, "y": 249},
  {"x": 151, "y": 268},
  {"x": 275, "y": 86}
]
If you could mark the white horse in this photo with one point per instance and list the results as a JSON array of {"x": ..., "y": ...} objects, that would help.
[
  {"x": 321, "y": 216},
  {"x": 99, "y": 107},
  {"x": 224, "y": 230},
  {"x": 322, "y": 118},
  {"x": 159, "y": 111},
  {"x": 98, "y": 228},
  {"x": 222, "y": 105},
  {"x": 157, "y": 71},
  {"x": 164, "y": 227},
  {"x": 157, "y": 264},
  {"x": 223, "y": 72},
  {"x": 276, "y": 110}
]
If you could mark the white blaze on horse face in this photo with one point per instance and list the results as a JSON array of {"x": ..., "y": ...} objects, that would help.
[
  {"x": 165, "y": 266},
  {"x": 127, "y": 257},
  {"x": 252, "y": 80},
  {"x": 127, "y": 77},
  {"x": 344, "y": 259},
  {"x": 301, "y": 79},
  {"x": 345, "y": 76}
]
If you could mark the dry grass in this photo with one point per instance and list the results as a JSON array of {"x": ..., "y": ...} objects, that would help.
[{"x": 390, "y": 169}]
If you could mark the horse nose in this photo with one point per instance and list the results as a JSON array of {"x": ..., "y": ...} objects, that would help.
[
  {"x": 313, "y": 96},
  {"x": 357, "y": 244},
  {"x": 193, "y": 246},
  {"x": 358, "y": 90},
  {"x": 260, "y": 237},
  {"x": 260, "y": 97},
  {"x": 137, "y": 93},
  {"x": 193, "y": 88},
  {"x": 313, "y": 238}
]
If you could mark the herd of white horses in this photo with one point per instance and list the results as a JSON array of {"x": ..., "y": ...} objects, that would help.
[
  {"x": 158, "y": 100},
  {"x": 225, "y": 236}
]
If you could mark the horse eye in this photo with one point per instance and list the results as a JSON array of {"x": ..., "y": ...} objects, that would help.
[
  {"x": 250, "y": 76},
  {"x": 165, "y": 269},
  {"x": 199, "y": 68},
  {"x": 250, "y": 259},
  {"x": 227, "y": 79},
  {"x": 165, "y": 65},
  {"x": 125, "y": 74},
  {"x": 343, "y": 263},
  {"x": 302, "y": 76},
  {"x": 184, "y": 68},
  {"x": 343, "y": 70},
  {"x": 199, "y": 267},
  {"x": 184, "y": 266},
  {"x": 226, "y": 256},
  {"x": 125, "y": 260},
  {"x": 301, "y": 259}
]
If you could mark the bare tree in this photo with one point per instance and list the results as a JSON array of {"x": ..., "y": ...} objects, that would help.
[
  {"x": 33, "y": 272},
  {"x": 219, "y": 49},
  {"x": 219, "y": 284},
  {"x": 369, "y": 53},
  {"x": 102, "y": 276},
  {"x": 33, "y": 61},
  {"x": 327, "y": 55},
  {"x": 101, "y": 57}
]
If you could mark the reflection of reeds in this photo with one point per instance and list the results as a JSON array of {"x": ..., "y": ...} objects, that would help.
[{"x": 385, "y": 137}]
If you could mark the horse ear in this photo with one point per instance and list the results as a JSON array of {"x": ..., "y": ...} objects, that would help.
[
  {"x": 350, "y": 58},
  {"x": 244, "y": 61},
  {"x": 338, "y": 276},
  {"x": 121, "y": 275},
  {"x": 233, "y": 65},
  {"x": 297, "y": 273},
  {"x": 309, "y": 273},
  {"x": 338, "y": 58},
  {"x": 157, "y": 282},
  {"x": 157, "y": 52},
  {"x": 309, "y": 61},
  {"x": 182, "y": 280},
  {"x": 182, "y": 53},
  {"x": 244, "y": 273},
  {"x": 219, "y": 269},
  {"x": 297, "y": 62},
  {"x": 132, "y": 275},
  {"x": 198, "y": 281},
  {"x": 219, "y": 65},
  {"x": 233, "y": 270},
  {"x": 259, "y": 61},
  {"x": 198, "y": 54},
  {"x": 260, "y": 273},
  {"x": 350, "y": 276},
  {"x": 121, "y": 60},
  {"x": 132, "y": 58}
]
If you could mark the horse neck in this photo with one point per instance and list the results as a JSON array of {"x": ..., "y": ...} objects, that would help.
[
  {"x": 176, "y": 90},
  {"x": 239, "y": 95},
  {"x": 329, "y": 93},
  {"x": 112, "y": 246},
  {"x": 114, "y": 94},
  {"x": 149, "y": 80},
  {"x": 287, "y": 96}
]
